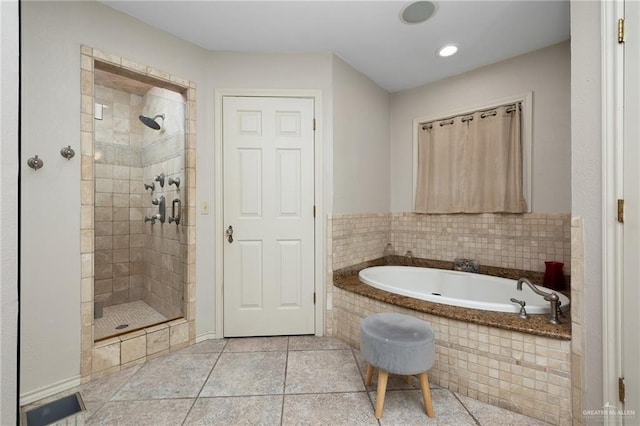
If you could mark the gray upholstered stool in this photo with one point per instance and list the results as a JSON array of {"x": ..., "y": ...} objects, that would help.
[{"x": 397, "y": 344}]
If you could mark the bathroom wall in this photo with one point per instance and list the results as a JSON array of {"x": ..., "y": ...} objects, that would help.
[
  {"x": 361, "y": 120},
  {"x": 355, "y": 129},
  {"x": 118, "y": 198},
  {"x": 9, "y": 64},
  {"x": 586, "y": 187},
  {"x": 273, "y": 71},
  {"x": 163, "y": 286},
  {"x": 52, "y": 33},
  {"x": 545, "y": 72}
]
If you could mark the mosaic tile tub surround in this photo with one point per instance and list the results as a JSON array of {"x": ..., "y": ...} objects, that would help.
[
  {"x": 514, "y": 241},
  {"x": 525, "y": 373},
  {"x": 518, "y": 241}
]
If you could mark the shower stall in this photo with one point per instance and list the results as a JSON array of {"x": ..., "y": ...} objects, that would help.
[{"x": 139, "y": 145}]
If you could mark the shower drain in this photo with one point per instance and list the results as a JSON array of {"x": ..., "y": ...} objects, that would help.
[{"x": 121, "y": 326}]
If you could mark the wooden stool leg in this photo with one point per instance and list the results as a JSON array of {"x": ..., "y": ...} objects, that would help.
[
  {"x": 367, "y": 380},
  {"x": 409, "y": 379},
  {"x": 426, "y": 393},
  {"x": 382, "y": 388}
]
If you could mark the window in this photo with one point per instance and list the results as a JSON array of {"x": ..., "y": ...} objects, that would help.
[{"x": 474, "y": 163}]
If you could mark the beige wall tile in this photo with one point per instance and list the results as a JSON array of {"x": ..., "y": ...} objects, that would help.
[
  {"x": 133, "y": 349},
  {"x": 465, "y": 362},
  {"x": 106, "y": 356},
  {"x": 107, "y": 57},
  {"x": 157, "y": 341},
  {"x": 179, "y": 334}
]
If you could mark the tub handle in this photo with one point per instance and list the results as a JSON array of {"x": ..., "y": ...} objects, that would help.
[{"x": 523, "y": 312}]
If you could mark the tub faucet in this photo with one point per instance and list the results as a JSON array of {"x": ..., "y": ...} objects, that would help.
[{"x": 552, "y": 298}]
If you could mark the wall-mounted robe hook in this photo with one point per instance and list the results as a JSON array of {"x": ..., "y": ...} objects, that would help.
[
  {"x": 35, "y": 162},
  {"x": 67, "y": 152}
]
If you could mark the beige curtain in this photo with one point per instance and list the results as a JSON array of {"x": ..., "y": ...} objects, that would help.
[{"x": 471, "y": 164}]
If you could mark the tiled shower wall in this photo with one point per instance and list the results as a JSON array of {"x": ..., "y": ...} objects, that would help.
[
  {"x": 118, "y": 198},
  {"x": 162, "y": 154},
  {"x": 508, "y": 241},
  {"x": 110, "y": 355}
]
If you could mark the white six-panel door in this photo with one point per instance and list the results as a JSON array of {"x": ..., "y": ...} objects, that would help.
[{"x": 268, "y": 161}]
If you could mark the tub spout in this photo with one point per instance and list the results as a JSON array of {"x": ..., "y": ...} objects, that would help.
[
  {"x": 552, "y": 298},
  {"x": 533, "y": 287}
]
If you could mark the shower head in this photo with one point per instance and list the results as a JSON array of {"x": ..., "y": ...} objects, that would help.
[{"x": 151, "y": 122}]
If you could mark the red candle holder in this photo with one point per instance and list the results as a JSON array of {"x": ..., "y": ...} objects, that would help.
[{"x": 553, "y": 275}]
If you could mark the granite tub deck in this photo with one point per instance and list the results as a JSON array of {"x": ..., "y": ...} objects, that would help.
[{"x": 347, "y": 279}]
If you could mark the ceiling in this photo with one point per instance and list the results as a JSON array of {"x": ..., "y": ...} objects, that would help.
[{"x": 366, "y": 34}]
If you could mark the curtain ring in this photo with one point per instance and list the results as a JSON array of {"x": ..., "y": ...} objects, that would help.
[{"x": 488, "y": 114}]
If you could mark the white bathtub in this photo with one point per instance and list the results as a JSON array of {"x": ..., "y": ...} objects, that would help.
[{"x": 455, "y": 288}]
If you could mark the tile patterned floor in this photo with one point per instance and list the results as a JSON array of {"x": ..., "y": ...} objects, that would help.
[
  {"x": 298, "y": 380},
  {"x": 136, "y": 314}
]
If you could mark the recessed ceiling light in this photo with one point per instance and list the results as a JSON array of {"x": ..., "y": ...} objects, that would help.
[
  {"x": 417, "y": 12},
  {"x": 447, "y": 50}
]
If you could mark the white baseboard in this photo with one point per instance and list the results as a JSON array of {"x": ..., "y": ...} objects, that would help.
[
  {"x": 207, "y": 336},
  {"x": 47, "y": 391}
]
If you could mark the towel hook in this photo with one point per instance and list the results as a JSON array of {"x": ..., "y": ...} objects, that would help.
[
  {"x": 35, "y": 162},
  {"x": 67, "y": 152}
]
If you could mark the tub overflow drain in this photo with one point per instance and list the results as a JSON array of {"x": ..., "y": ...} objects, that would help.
[{"x": 121, "y": 326}]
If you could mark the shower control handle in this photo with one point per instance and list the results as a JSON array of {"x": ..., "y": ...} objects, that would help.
[
  {"x": 160, "y": 178},
  {"x": 152, "y": 219},
  {"x": 162, "y": 208},
  {"x": 175, "y": 182},
  {"x": 175, "y": 217},
  {"x": 229, "y": 233}
]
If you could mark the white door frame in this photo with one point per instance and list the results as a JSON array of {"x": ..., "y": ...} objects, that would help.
[
  {"x": 319, "y": 224},
  {"x": 612, "y": 189}
]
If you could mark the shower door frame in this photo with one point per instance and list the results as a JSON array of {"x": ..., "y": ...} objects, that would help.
[{"x": 107, "y": 356}]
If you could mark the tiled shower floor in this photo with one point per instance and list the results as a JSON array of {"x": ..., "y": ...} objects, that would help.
[
  {"x": 136, "y": 314},
  {"x": 271, "y": 381}
]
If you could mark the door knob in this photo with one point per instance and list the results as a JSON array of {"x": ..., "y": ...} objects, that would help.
[{"x": 230, "y": 234}]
